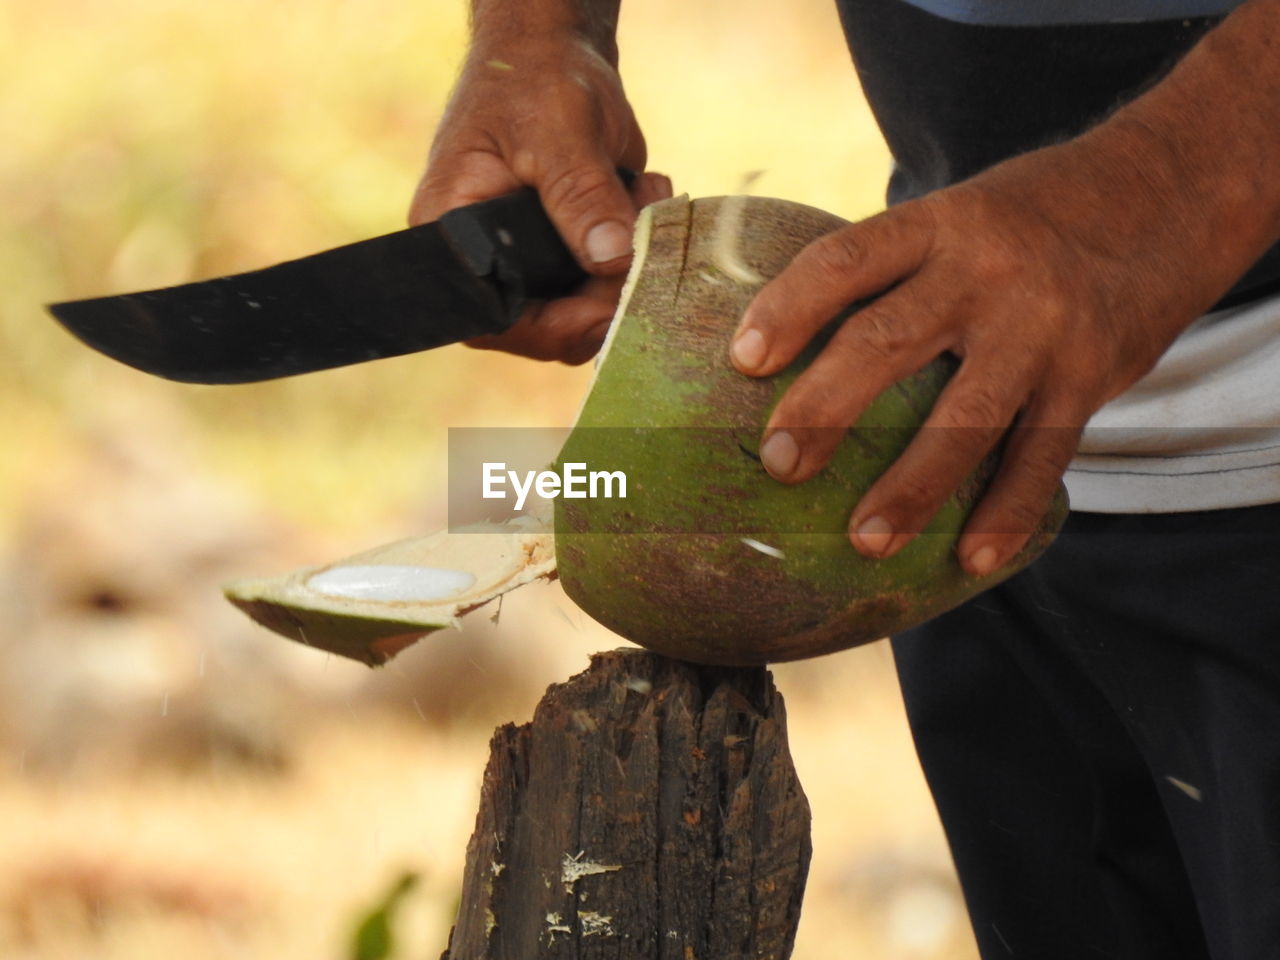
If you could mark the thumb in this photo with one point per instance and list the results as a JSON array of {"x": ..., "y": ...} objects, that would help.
[{"x": 590, "y": 206}]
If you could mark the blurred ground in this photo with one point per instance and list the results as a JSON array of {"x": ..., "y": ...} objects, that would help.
[{"x": 173, "y": 780}]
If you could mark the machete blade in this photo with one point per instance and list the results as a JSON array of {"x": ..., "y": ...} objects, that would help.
[{"x": 463, "y": 276}]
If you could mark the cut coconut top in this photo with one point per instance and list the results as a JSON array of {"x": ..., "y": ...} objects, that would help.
[{"x": 373, "y": 604}]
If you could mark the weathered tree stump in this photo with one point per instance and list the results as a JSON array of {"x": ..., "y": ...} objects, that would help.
[{"x": 651, "y": 810}]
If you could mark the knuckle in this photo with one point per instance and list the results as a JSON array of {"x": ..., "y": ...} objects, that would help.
[
  {"x": 1087, "y": 375},
  {"x": 997, "y": 263},
  {"x": 579, "y": 185},
  {"x": 562, "y": 101},
  {"x": 1044, "y": 462},
  {"x": 881, "y": 333},
  {"x": 837, "y": 254},
  {"x": 1067, "y": 398},
  {"x": 981, "y": 405},
  {"x": 979, "y": 233},
  {"x": 916, "y": 492},
  {"x": 969, "y": 203}
]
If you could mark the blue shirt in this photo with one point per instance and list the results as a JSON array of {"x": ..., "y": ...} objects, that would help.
[{"x": 1039, "y": 13}]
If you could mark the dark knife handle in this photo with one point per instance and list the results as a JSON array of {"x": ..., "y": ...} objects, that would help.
[{"x": 510, "y": 243}]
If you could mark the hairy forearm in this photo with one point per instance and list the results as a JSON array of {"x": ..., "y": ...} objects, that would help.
[
  {"x": 1211, "y": 133},
  {"x": 523, "y": 21}
]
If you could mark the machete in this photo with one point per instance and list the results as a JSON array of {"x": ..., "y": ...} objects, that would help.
[{"x": 467, "y": 274}]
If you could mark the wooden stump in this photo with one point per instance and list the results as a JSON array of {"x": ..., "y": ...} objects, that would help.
[{"x": 650, "y": 811}]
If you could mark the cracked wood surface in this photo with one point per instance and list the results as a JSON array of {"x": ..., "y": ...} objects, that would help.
[{"x": 650, "y": 810}]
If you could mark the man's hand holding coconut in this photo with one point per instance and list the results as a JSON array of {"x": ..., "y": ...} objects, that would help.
[{"x": 1058, "y": 277}]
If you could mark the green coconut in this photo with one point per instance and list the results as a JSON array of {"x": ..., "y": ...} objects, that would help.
[{"x": 708, "y": 558}]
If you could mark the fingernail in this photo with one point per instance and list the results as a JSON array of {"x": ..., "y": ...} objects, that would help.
[
  {"x": 982, "y": 561},
  {"x": 780, "y": 454},
  {"x": 875, "y": 535},
  {"x": 608, "y": 241},
  {"x": 748, "y": 349}
]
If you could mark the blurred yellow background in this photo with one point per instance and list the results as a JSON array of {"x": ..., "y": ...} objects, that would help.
[{"x": 175, "y": 780}]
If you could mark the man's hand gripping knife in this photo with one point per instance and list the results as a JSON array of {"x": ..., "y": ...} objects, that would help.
[
  {"x": 1058, "y": 278},
  {"x": 539, "y": 102}
]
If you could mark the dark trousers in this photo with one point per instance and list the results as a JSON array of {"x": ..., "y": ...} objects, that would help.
[{"x": 1101, "y": 734}]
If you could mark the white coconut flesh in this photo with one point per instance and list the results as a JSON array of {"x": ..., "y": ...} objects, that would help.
[
  {"x": 371, "y": 605},
  {"x": 391, "y": 583}
]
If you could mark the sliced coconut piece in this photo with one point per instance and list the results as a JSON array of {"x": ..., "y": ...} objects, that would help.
[{"x": 372, "y": 605}]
